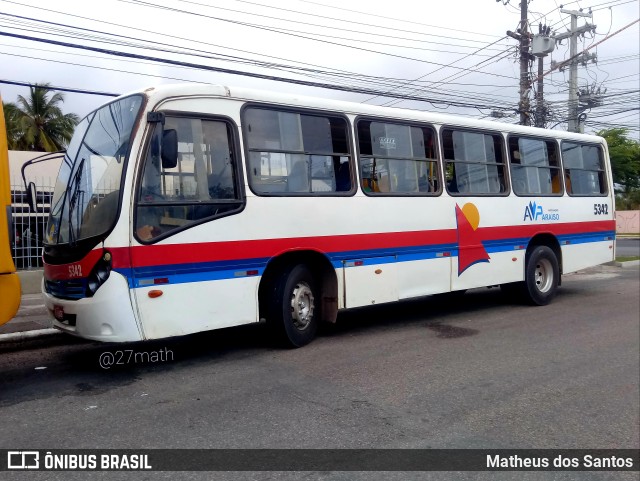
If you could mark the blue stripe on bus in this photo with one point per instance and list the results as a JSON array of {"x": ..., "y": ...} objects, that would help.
[
  {"x": 211, "y": 271},
  {"x": 569, "y": 239}
]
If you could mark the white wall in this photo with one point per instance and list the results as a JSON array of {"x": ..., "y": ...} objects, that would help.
[{"x": 43, "y": 173}]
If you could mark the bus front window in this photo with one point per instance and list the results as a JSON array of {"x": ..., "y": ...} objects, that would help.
[{"x": 87, "y": 192}]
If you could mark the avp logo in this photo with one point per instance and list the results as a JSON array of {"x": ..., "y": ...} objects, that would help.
[{"x": 532, "y": 211}]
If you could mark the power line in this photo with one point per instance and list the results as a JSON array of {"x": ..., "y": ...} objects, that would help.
[
  {"x": 385, "y": 17},
  {"x": 270, "y": 65},
  {"x": 238, "y": 72},
  {"x": 163, "y": 34},
  {"x": 61, "y": 89},
  {"x": 431, "y": 73},
  {"x": 298, "y": 22},
  {"x": 372, "y": 80},
  {"x": 403, "y": 89},
  {"x": 326, "y": 42}
]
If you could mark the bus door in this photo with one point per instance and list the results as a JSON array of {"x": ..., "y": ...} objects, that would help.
[{"x": 186, "y": 196}]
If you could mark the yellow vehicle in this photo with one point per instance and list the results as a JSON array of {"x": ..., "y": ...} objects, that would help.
[{"x": 9, "y": 281}]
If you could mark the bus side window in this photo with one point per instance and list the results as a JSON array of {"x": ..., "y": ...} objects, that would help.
[
  {"x": 298, "y": 178},
  {"x": 342, "y": 174},
  {"x": 203, "y": 184},
  {"x": 479, "y": 163},
  {"x": 534, "y": 166},
  {"x": 450, "y": 177},
  {"x": 584, "y": 169},
  {"x": 296, "y": 153},
  {"x": 397, "y": 158}
]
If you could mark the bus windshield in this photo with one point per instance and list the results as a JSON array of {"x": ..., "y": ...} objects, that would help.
[{"x": 87, "y": 192}]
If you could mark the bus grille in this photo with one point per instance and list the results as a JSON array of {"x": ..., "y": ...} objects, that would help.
[{"x": 73, "y": 289}]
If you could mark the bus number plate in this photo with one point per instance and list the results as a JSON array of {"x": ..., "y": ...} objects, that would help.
[
  {"x": 75, "y": 270},
  {"x": 600, "y": 209}
]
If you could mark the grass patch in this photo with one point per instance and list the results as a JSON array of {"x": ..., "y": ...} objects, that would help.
[{"x": 627, "y": 258}]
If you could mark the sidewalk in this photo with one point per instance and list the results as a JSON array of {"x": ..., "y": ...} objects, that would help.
[{"x": 32, "y": 320}]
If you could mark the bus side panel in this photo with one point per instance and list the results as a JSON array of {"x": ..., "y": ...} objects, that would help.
[
  {"x": 490, "y": 247},
  {"x": 502, "y": 267},
  {"x": 189, "y": 307},
  {"x": 370, "y": 281},
  {"x": 582, "y": 256},
  {"x": 424, "y": 278},
  {"x": 586, "y": 246}
]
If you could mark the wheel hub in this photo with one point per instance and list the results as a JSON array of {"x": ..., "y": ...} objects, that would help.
[
  {"x": 544, "y": 275},
  {"x": 302, "y": 306}
]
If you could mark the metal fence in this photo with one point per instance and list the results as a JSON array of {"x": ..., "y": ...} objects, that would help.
[{"x": 29, "y": 227}]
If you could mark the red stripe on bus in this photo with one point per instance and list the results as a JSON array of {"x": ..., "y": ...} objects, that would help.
[
  {"x": 153, "y": 255},
  {"x": 143, "y": 256},
  {"x": 73, "y": 270}
]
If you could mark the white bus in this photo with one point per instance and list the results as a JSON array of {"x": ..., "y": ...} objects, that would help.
[{"x": 188, "y": 208}]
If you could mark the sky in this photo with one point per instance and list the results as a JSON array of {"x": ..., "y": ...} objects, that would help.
[{"x": 442, "y": 56}]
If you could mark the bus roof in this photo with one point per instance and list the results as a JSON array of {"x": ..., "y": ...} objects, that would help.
[{"x": 159, "y": 94}]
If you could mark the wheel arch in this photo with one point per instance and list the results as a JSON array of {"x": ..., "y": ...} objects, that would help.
[{"x": 322, "y": 271}]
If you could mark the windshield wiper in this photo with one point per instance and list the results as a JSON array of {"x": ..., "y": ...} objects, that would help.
[{"x": 74, "y": 188}]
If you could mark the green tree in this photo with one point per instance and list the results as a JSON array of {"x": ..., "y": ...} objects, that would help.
[
  {"x": 625, "y": 165},
  {"x": 12, "y": 121},
  {"x": 41, "y": 125}
]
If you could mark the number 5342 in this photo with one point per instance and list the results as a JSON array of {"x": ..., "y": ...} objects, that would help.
[{"x": 600, "y": 209}]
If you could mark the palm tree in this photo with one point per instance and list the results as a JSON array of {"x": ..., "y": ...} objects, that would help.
[
  {"x": 43, "y": 126},
  {"x": 12, "y": 121}
]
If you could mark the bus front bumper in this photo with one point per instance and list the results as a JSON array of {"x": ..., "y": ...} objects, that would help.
[{"x": 107, "y": 316}]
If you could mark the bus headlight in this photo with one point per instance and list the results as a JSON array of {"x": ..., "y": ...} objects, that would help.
[{"x": 99, "y": 274}]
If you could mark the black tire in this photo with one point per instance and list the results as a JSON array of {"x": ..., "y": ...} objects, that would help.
[
  {"x": 292, "y": 306},
  {"x": 542, "y": 276}
]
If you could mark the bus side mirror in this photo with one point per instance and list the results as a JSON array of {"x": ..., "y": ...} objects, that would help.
[
  {"x": 32, "y": 196},
  {"x": 169, "y": 151}
]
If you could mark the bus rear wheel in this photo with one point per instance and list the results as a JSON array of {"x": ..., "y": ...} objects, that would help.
[
  {"x": 542, "y": 276},
  {"x": 293, "y": 314}
]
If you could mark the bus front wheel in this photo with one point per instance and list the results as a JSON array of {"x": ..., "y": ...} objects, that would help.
[
  {"x": 542, "y": 276},
  {"x": 293, "y": 312}
]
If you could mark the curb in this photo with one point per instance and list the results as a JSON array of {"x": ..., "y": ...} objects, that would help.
[
  {"x": 624, "y": 265},
  {"x": 23, "y": 336}
]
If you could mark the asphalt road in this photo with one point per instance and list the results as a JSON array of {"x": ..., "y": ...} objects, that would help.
[
  {"x": 483, "y": 373},
  {"x": 628, "y": 246}
]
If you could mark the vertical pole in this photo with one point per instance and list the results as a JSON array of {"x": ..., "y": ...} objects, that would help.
[
  {"x": 573, "y": 77},
  {"x": 540, "y": 113},
  {"x": 524, "y": 64}
]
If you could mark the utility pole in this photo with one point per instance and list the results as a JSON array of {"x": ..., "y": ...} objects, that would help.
[
  {"x": 540, "y": 117},
  {"x": 524, "y": 63},
  {"x": 574, "y": 125},
  {"x": 524, "y": 37},
  {"x": 541, "y": 46}
]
